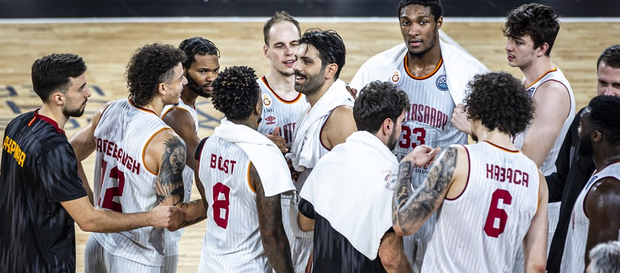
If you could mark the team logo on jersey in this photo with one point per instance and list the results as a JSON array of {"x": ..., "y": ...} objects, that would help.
[
  {"x": 270, "y": 120},
  {"x": 396, "y": 76},
  {"x": 389, "y": 179},
  {"x": 442, "y": 83},
  {"x": 266, "y": 100}
]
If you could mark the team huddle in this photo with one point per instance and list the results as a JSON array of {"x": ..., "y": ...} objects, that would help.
[{"x": 307, "y": 173}]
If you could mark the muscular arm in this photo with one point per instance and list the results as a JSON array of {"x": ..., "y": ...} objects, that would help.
[
  {"x": 272, "y": 233},
  {"x": 338, "y": 127},
  {"x": 552, "y": 103},
  {"x": 98, "y": 220},
  {"x": 182, "y": 123},
  {"x": 535, "y": 241},
  {"x": 410, "y": 209},
  {"x": 166, "y": 154},
  {"x": 392, "y": 254},
  {"x": 602, "y": 205}
]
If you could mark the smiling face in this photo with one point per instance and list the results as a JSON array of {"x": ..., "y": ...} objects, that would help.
[
  {"x": 608, "y": 80},
  {"x": 174, "y": 87},
  {"x": 201, "y": 73},
  {"x": 418, "y": 28},
  {"x": 283, "y": 44},
  {"x": 75, "y": 97},
  {"x": 309, "y": 70}
]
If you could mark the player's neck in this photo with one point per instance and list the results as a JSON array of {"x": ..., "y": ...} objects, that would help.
[
  {"x": 189, "y": 97},
  {"x": 55, "y": 114},
  {"x": 536, "y": 69},
  {"x": 606, "y": 156},
  {"x": 316, "y": 96},
  {"x": 422, "y": 65},
  {"x": 283, "y": 86},
  {"x": 250, "y": 122},
  {"x": 496, "y": 137}
]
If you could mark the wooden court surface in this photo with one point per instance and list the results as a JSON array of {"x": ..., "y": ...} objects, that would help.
[{"x": 106, "y": 48}]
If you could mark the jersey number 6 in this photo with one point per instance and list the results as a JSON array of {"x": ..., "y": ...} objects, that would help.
[{"x": 496, "y": 213}]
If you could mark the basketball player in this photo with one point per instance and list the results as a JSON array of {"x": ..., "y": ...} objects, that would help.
[
  {"x": 434, "y": 76},
  {"x": 282, "y": 106},
  {"x": 40, "y": 192},
  {"x": 329, "y": 119},
  {"x": 493, "y": 197},
  {"x": 573, "y": 170},
  {"x": 244, "y": 174},
  {"x": 595, "y": 217},
  {"x": 200, "y": 69},
  {"x": 362, "y": 168},
  {"x": 139, "y": 161}
]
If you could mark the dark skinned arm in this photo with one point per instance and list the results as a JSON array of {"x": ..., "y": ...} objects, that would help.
[{"x": 602, "y": 205}]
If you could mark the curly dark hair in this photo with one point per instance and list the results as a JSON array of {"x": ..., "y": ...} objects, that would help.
[
  {"x": 278, "y": 17},
  {"x": 236, "y": 92},
  {"x": 53, "y": 72},
  {"x": 610, "y": 56},
  {"x": 197, "y": 46},
  {"x": 499, "y": 101},
  {"x": 378, "y": 101},
  {"x": 605, "y": 117},
  {"x": 330, "y": 46},
  {"x": 149, "y": 66},
  {"x": 435, "y": 5},
  {"x": 537, "y": 20}
]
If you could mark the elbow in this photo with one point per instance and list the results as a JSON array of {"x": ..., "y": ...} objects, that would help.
[
  {"x": 87, "y": 225},
  {"x": 537, "y": 268}
]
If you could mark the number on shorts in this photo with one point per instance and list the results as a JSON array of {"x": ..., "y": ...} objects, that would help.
[
  {"x": 496, "y": 213},
  {"x": 118, "y": 179},
  {"x": 220, "y": 204},
  {"x": 418, "y": 133}
]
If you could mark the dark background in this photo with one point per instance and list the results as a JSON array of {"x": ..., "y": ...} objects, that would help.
[{"x": 299, "y": 8}]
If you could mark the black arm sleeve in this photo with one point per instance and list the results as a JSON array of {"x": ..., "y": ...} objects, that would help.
[{"x": 306, "y": 208}]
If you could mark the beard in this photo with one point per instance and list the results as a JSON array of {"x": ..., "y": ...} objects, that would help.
[
  {"x": 76, "y": 112},
  {"x": 312, "y": 83},
  {"x": 392, "y": 140},
  {"x": 585, "y": 147},
  {"x": 193, "y": 86}
]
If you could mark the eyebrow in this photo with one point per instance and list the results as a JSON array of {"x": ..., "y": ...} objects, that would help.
[{"x": 82, "y": 86}]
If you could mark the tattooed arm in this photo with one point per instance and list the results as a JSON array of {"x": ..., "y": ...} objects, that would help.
[
  {"x": 272, "y": 233},
  {"x": 412, "y": 207},
  {"x": 166, "y": 154}
]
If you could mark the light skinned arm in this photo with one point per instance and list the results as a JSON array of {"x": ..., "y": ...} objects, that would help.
[
  {"x": 552, "y": 107},
  {"x": 392, "y": 254},
  {"x": 338, "y": 127},
  {"x": 271, "y": 229},
  {"x": 602, "y": 204},
  {"x": 411, "y": 209},
  {"x": 82, "y": 174},
  {"x": 165, "y": 155},
  {"x": 183, "y": 125},
  {"x": 97, "y": 220},
  {"x": 535, "y": 241}
]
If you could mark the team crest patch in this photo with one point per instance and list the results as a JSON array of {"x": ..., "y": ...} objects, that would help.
[
  {"x": 270, "y": 120},
  {"x": 389, "y": 179},
  {"x": 442, "y": 83},
  {"x": 396, "y": 76},
  {"x": 266, "y": 100}
]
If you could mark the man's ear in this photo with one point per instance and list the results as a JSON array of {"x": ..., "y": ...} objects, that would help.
[
  {"x": 439, "y": 22},
  {"x": 161, "y": 87},
  {"x": 387, "y": 126},
  {"x": 58, "y": 98},
  {"x": 542, "y": 49},
  {"x": 330, "y": 70},
  {"x": 596, "y": 136},
  {"x": 265, "y": 48}
]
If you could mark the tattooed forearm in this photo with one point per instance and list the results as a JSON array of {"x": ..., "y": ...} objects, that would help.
[
  {"x": 195, "y": 209},
  {"x": 411, "y": 209},
  {"x": 272, "y": 233},
  {"x": 170, "y": 178}
]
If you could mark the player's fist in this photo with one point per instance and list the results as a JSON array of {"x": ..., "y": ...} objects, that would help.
[
  {"x": 459, "y": 119},
  {"x": 162, "y": 216},
  {"x": 277, "y": 139},
  {"x": 422, "y": 156}
]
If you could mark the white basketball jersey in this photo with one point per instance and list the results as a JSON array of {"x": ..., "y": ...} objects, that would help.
[
  {"x": 123, "y": 183},
  {"x": 428, "y": 119},
  {"x": 482, "y": 229},
  {"x": 577, "y": 236},
  {"x": 173, "y": 237},
  {"x": 278, "y": 112},
  {"x": 548, "y": 166},
  {"x": 321, "y": 150},
  {"x": 232, "y": 242}
]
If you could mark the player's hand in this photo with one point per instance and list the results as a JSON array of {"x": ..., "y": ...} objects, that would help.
[
  {"x": 352, "y": 91},
  {"x": 422, "y": 156},
  {"x": 459, "y": 119},
  {"x": 162, "y": 216},
  {"x": 278, "y": 140}
]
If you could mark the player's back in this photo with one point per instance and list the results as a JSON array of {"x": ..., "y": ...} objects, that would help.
[
  {"x": 482, "y": 229},
  {"x": 232, "y": 242},
  {"x": 123, "y": 182}
]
